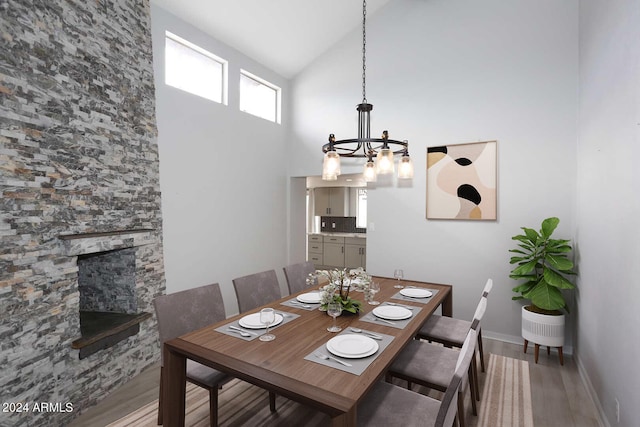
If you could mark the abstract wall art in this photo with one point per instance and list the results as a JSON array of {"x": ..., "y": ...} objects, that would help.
[{"x": 461, "y": 181}]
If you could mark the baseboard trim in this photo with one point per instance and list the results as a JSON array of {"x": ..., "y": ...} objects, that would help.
[
  {"x": 511, "y": 339},
  {"x": 584, "y": 376}
]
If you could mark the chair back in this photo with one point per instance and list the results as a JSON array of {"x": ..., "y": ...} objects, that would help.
[
  {"x": 256, "y": 289},
  {"x": 297, "y": 274},
  {"x": 448, "y": 408},
  {"x": 479, "y": 314},
  {"x": 186, "y": 311},
  {"x": 487, "y": 288}
]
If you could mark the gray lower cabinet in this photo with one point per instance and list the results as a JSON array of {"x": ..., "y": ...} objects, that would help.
[
  {"x": 333, "y": 254},
  {"x": 355, "y": 256},
  {"x": 330, "y": 251},
  {"x": 315, "y": 250}
]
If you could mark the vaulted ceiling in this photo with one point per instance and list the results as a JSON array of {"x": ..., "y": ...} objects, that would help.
[{"x": 283, "y": 35}]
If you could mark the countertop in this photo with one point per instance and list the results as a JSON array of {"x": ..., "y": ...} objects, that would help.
[{"x": 360, "y": 235}]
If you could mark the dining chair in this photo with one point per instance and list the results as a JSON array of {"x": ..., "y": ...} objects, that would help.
[
  {"x": 389, "y": 405},
  {"x": 432, "y": 366},
  {"x": 451, "y": 331},
  {"x": 256, "y": 289},
  {"x": 183, "y": 312},
  {"x": 253, "y": 291},
  {"x": 297, "y": 275}
]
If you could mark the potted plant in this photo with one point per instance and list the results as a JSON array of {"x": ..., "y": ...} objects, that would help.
[
  {"x": 341, "y": 282},
  {"x": 543, "y": 264}
]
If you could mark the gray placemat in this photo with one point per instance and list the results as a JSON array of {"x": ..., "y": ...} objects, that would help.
[
  {"x": 399, "y": 296},
  {"x": 400, "y": 324},
  {"x": 358, "y": 366},
  {"x": 254, "y": 333},
  {"x": 301, "y": 305}
]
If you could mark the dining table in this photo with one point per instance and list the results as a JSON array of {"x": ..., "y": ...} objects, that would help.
[{"x": 286, "y": 366}]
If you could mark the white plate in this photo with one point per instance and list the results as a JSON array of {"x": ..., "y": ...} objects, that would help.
[
  {"x": 352, "y": 346},
  {"x": 252, "y": 321},
  {"x": 416, "y": 293},
  {"x": 392, "y": 312},
  {"x": 310, "y": 298}
]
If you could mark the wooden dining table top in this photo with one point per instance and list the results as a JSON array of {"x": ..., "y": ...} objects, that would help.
[{"x": 280, "y": 365}]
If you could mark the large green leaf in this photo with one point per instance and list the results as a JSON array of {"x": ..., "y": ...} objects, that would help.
[
  {"x": 531, "y": 234},
  {"x": 555, "y": 279},
  {"x": 524, "y": 268},
  {"x": 558, "y": 246},
  {"x": 547, "y": 297},
  {"x": 559, "y": 262},
  {"x": 525, "y": 287},
  {"x": 519, "y": 259},
  {"x": 548, "y": 226}
]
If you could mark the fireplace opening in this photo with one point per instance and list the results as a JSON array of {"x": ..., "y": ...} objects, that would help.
[{"x": 108, "y": 305}]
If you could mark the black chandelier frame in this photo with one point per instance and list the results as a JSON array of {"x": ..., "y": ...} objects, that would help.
[{"x": 364, "y": 146}]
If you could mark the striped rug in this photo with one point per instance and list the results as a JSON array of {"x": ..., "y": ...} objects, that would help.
[
  {"x": 506, "y": 396},
  {"x": 506, "y": 402}
]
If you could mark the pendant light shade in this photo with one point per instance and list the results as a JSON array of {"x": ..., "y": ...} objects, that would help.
[
  {"x": 331, "y": 166},
  {"x": 405, "y": 166},
  {"x": 384, "y": 161},
  {"x": 369, "y": 173}
]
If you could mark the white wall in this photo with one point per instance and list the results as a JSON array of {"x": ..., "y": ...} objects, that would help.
[
  {"x": 445, "y": 72},
  {"x": 222, "y": 175},
  {"x": 608, "y": 206}
]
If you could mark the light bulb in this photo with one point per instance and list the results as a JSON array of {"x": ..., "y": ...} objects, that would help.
[{"x": 384, "y": 161}]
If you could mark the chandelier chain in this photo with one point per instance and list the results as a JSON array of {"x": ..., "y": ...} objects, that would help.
[{"x": 364, "y": 52}]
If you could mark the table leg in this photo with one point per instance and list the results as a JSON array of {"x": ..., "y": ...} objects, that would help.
[
  {"x": 174, "y": 388},
  {"x": 447, "y": 304},
  {"x": 347, "y": 419}
]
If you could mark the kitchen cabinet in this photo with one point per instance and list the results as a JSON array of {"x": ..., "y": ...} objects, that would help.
[
  {"x": 355, "y": 252},
  {"x": 315, "y": 250},
  {"x": 331, "y": 201},
  {"x": 333, "y": 251}
]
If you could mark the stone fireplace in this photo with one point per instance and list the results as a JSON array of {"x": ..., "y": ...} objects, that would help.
[
  {"x": 79, "y": 181},
  {"x": 108, "y": 304}
]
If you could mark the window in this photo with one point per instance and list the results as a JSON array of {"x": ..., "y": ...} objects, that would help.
[
  {"x": 194, "y": 70},
  {"x": 361, "y": 208},
  {"x": 259, "y": 97}
]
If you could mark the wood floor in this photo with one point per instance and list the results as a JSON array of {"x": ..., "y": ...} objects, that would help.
[{"x": 559, "y": 397}]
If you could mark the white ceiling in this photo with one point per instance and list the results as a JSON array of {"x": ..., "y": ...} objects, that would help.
[{"x": 283, "y": 35}]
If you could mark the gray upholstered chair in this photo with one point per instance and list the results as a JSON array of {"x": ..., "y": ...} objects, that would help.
[
  {"x": 256, "y": 289},
  {"x": 433, "y": 366},
  {"x": 183, "y": 312},
  {"x": 253, "y": 291},
  {"x": 389, "y": 405},
  {"x": 297, "y": 274},
  {"x": 452, "y": 332}
]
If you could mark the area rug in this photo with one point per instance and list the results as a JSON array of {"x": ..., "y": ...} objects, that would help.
[
  {"x": 506, "y": 396},
  {"x": 506, "y": 402},
  {"x": 240, "y": 404}
]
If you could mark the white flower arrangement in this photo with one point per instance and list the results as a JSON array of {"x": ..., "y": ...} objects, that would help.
[{"x": 341, "y": 282}]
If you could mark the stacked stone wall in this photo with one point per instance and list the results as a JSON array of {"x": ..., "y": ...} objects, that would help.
[{"x": 78, "y": 154}]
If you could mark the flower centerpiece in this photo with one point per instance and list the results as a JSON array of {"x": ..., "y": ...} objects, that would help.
[{"x": 341, "y": 282}]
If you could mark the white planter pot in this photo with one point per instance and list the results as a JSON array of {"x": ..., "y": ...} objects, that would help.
[{"x": 543, "y": 329}]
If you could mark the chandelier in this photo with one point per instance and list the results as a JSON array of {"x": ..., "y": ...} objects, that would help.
[{"x": 383, "y": 149}]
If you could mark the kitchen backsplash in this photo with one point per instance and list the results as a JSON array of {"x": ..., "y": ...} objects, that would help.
[{"x": 340, "y": 224}]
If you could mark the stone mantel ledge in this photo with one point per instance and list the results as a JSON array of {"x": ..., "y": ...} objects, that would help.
[{"x": 89, "y": 243}]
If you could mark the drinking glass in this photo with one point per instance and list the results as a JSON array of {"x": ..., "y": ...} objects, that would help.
[
  {"x": 398, "y": 274},
  {"x": 334, "y": 310},
  {"x": 374, "y": 288},
  {"x": 267, "y": 317}
]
